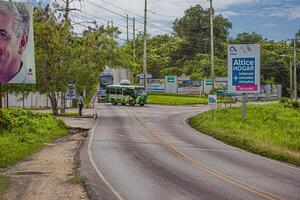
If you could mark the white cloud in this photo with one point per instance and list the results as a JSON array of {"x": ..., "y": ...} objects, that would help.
[
  {"x": 294, "y": 13},
  {"x": 228, "y": 13},
  {"x": 222, "y": 4}
]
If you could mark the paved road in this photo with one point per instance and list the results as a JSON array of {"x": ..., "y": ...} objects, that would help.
[{"x": 149, "y": 153}]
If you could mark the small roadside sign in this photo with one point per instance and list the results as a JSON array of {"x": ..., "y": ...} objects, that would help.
[
  {"x": 170, "y": 79},
  {"x": 212, "y": 100},
  {"x": 71, "y": 92},
  {"x": 208, "y": 82}
]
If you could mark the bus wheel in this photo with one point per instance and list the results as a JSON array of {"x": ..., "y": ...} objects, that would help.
[
  {"x": 142, "y": 104},
  {"x": 132, "y": 103},
  {"x": 123, "y": 103}
]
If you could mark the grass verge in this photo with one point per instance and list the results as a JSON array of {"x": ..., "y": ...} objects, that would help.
[
  {"x": 177, "y": 99},
  {"x": 271, "y": 130},
  {"x": 25, "y": 132},
  {"x": 3, "y": 184}
]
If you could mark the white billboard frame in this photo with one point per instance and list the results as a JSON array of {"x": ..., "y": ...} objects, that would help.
[
  {"x": 17, "y": 67},
  {"x": 242, "y": 58}
]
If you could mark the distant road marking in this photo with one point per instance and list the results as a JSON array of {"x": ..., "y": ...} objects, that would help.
[
  {"x": 100, "y": 174},
  {"x": 209, "y": 170}
]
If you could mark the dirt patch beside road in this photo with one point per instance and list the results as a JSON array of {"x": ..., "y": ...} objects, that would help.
[{"x": 49, "y": 174}]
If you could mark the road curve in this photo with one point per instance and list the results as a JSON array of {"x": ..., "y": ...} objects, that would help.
[{"x": 149, "y": 153}]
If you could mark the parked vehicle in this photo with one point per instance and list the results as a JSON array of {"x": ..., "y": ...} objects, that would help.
[
  {"x": 126, "y": 94},
  {"x": 106, "y": 78}
]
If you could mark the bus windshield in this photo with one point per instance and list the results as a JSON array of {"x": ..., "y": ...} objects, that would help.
[
  {"x": 140, "y": 91},
  {"x": 105, "y": 80}
]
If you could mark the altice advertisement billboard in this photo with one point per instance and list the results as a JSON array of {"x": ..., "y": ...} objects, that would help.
[
  {"x": 243, "y": 68},
  {"x": 17, "y": 63}
]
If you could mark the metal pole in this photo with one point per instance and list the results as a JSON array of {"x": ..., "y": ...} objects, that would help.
[
  {"x": 212, "y": 45},
  {"x": 295, "y": 70},
  {"x": 133, "y": 40},
  {"x": 145, "y": 47},
  {"x": 127, "y": 28},
  {"x": 66, "y": 16},
  {"x": 291, "y": 78},
  {"x": 7, "y": 100},
  {"x": 244, "y": 107}
]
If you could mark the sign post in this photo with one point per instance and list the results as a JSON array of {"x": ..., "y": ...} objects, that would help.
[
  {"x": 244, "y": 70},
  {"x": 212, "y": 101}
]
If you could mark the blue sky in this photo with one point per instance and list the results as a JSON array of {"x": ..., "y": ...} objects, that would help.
[{"x": 274, "y": 19}]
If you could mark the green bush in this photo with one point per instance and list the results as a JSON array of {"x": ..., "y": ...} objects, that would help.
[
  {"x": 25, "y": 132},
  {"x": 284, "y": 100},
  {"x": 295, "y": 104}
]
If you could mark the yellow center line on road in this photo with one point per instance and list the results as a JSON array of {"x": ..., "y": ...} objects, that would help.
[{"x": 173, "y": 149}]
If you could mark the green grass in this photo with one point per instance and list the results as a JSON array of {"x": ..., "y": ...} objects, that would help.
[
  {"x": 75, "y": 180},
  {"x": 3, "y": 184},
  {"x": 25, "y": 132},
  {"x": 177, "y": 99},
  {"x": 271, "y": 130},
  {"x": 69, "y": 114}
]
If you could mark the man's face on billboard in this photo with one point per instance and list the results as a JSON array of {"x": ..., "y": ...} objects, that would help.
[{"x": 11, "y": 48}]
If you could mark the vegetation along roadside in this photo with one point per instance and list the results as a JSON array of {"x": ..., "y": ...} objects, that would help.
[
  {"x": 178, "y": 99},
  {"x": 271, "y": 130},
  {"x": 25, "y": 132}
]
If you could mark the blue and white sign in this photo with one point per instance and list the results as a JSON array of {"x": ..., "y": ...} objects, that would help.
[
  {"x": 244, "y": 68},
  {"x": 212, "y": 100}
]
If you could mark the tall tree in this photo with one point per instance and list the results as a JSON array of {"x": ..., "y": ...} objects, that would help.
[
  {"x": 245, "y": 37},
  {"x": 194, "y": 28}
]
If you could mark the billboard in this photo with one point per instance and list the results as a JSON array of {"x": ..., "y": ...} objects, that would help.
[
  {"x": 71, "y": 92},
  {"x": 243, "y": 68},
  {"x": 17, "y": 64}
]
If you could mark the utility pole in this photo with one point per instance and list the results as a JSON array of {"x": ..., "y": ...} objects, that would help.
[
  {"x": 212, "y": 45},
  {"x": 112, "y": 23},
  {"x": 291, "y": 78},
  {"x": 133, "y": 42},
  {"x": 66, "y": 16},
  {"x": 127, "y": 27},
  {"x": 295, "y": 69},
  {"x": 145, "y": 47},
  {"x": 66, "y": 11}
]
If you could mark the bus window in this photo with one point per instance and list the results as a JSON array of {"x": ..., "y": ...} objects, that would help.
[
  {"x": 112, "y": 90},
  {"x": 119, "y": 90},
  {"x": 128, "y": 91}
]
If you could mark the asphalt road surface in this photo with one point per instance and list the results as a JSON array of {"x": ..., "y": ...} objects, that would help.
[{"x": 149, "y": 153}]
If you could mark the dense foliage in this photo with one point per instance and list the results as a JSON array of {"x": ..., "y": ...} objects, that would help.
[
  {"x": 25, "y": 132},
  {"x": 62, "y": 56},
  {"x": 187, "y": 51}
]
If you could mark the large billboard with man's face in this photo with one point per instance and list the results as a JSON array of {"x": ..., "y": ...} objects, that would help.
[{"x": 17, "y": 64}]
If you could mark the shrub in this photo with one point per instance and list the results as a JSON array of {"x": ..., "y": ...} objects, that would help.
[
  {"x": 284, "y": 100},
  {"x": 25, "y": 132},
  {"x": 295, "y": 104}
]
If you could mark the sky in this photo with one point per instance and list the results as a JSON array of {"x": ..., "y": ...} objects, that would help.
[{"x": 273, "y": 19}]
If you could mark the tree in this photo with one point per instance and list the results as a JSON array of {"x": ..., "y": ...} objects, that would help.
[
  {"x": 62, "y": 56},
  {"x": 245, "y": 38},
  {"x": 194, "y": 27}
]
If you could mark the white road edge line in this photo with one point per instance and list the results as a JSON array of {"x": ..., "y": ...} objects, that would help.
[
  {"x": 100, "y": 174},
  {"x": 252, "y": 154}
]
